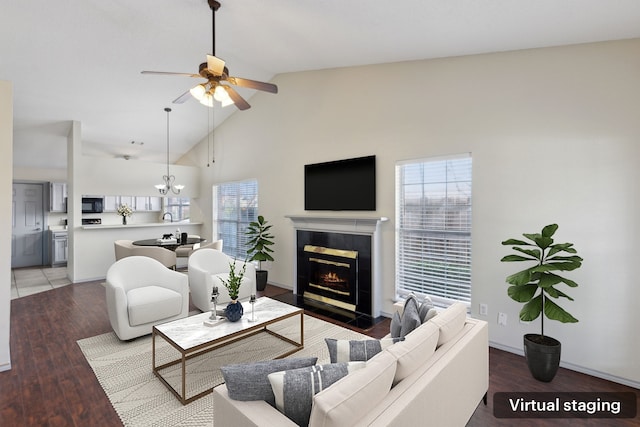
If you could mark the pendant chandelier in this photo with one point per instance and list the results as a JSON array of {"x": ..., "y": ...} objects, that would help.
[{"x": 168, "y": 179}]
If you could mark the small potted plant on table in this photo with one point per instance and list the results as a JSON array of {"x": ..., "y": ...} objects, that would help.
[
  {"x": 533, "y": 286},
  {"x": 234, "y": 309}
]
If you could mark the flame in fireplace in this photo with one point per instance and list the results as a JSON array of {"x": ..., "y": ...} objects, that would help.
[{"x": 332, "y": 277}]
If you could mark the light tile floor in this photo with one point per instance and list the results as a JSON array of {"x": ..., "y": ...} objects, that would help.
[{"x": 29, "y": 281}]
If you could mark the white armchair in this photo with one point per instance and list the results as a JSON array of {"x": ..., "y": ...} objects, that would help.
[
  {"x": 141, "y": 293},
  {"x": 206, "y": 266},
  {"x": 217, "y": 245}
]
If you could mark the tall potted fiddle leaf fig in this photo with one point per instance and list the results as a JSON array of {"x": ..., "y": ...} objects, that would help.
[
  {"x": 259, "y": 244},
  {"x": 535, "y": 286}
]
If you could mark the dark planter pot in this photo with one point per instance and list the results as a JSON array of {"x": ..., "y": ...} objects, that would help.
[
  {"x": 261, "y": 279},
  {"x": 234, "y": 311},
  {"x": 543, "y": 356}
]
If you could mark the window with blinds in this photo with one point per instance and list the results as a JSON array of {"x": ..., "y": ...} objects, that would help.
[
  {"x": 178, "y": 207},
  {"x": 235, "y": 206},
  {"x": 433, "y": 235}
]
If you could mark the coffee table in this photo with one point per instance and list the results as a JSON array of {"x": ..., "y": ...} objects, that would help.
[{"x": 192, "y": 338}]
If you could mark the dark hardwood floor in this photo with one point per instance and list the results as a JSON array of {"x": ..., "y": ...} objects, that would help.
[{"x": 51, "y": 384}]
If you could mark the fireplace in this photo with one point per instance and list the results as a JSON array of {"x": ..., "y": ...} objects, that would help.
[
  {"x": 332, "y": 276},
  {"x": 338, "y": 265},
  {"x": 335, "y": 269}
]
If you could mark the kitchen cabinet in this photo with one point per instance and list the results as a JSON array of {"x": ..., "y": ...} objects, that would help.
[
  {"x": 155, "y": 204},
  {"x": 127, "y": 200},
  {"x": 137, "y": 203},
  {"x": 57, "y": 197},
  {"x": 111, "y": 203},
  {"x": 59, "y": 248},
  {"x": 148, "y": 204}
]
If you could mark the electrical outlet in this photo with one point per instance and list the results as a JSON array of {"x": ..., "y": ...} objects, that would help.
[
  {"x": 484, "y": 309},
  {"x": 502, "y": 319}
]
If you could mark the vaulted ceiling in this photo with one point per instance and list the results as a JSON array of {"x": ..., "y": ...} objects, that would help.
[{"x": 81, "y": 59}]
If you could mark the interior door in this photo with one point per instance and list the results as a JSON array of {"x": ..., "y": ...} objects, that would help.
[{"x": 27, "y": 228}]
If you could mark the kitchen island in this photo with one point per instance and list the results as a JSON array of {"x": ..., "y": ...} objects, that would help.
[{"x": 95, "y": 252}]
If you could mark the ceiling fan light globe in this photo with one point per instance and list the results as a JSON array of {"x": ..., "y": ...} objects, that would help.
[
  {"x": 207, "y": 100},
  {"x": 226, "y": 102},
  {"x": 220, "y": 94},
  {"x": 198, "y": 91}
]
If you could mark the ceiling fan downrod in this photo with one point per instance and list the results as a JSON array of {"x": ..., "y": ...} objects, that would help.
[{"x": 214, "y": 5}]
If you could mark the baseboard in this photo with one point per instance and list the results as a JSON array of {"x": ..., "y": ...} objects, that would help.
[
  {"x": 573, "y": 367},
  {"x": 280, "y": 285}
]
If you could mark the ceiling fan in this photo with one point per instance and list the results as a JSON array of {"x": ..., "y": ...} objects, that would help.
[{"x": 218, "y": 79}]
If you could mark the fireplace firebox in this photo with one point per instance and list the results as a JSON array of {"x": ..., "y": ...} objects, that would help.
[
  {"x": 335, "y": 269},
  {"x": 332, "y": 276}
]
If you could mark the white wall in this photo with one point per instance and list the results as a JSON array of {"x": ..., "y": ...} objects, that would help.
[
  {"x": 6, "y": 213},
  {"x": 33, "y": 174},
  {"x": 554, "y": 135}
]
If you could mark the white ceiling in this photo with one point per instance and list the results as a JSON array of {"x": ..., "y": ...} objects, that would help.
[{"x": 81, "y": 59}]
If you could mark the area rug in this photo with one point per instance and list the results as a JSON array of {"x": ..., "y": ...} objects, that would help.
[{"x": 140, "y": 399}]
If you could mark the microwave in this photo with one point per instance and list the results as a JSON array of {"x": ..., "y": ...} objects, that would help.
[{"x": 92, "y": 204}]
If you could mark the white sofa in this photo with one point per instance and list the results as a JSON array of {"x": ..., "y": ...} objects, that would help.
[
  {"x": 443, "y": 389},
  {"x": 206, "y": 267}
]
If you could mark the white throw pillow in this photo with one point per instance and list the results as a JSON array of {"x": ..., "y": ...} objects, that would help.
[
  {"x": 351, "y": 398},
  {"x": 294, "y": 389}
]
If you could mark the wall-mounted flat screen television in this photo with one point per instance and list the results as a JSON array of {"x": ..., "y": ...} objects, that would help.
[{"x": 341, "y": 185}]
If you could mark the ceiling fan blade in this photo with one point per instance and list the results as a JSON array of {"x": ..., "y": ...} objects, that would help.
[
  {"x": 253, "y": 84},
  {"x": 215, "y": 65},
  {"x": 183, "y": 98},
  {"x": 168, "y": 73},
  {"x": 236, "y": 98}
]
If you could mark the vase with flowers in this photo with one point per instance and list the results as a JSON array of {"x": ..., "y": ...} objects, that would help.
[{"x": 124, "y": 211}]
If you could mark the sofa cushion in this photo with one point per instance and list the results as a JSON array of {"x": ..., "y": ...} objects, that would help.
[
  {"x": 348, "y": 400},
  {"x": 152, "y": 303},
  {"x": 450, "y": 321},
  {"x": 294, "y": 389},
  {"x": 249, "y": 381},
  {"x": 356, "y": 350},
  {"x": 414, "y": 351}
]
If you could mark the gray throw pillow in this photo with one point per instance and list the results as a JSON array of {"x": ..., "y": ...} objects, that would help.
[
  {"x": 410, "y": 316},
  {"x": 356, "y": 350},
  {"x": 294, "y": 389},
  {"x": 396, "y": 325},
  {"x": 249, "y": 381},
  {"x": 426, "y": 310}
]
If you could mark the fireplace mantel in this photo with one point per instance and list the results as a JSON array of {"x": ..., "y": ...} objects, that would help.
[{"x": 339, "y": 224}]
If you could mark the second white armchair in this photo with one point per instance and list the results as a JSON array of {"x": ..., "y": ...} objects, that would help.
[{"x": 206, "y": 267}]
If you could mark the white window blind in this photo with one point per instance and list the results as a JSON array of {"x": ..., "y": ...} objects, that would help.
[
  {"x": 433, "y": 234},
  {"x": 235, "y": 206}
]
